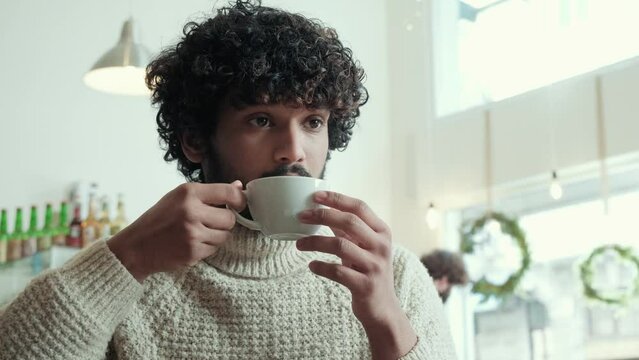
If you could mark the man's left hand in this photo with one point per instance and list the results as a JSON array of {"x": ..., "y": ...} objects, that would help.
[{"x": 363, "y": 242}]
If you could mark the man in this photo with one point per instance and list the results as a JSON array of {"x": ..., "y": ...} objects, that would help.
[
  {"x": 249, "y": 93},
  {"x": 447, "y": 270}
]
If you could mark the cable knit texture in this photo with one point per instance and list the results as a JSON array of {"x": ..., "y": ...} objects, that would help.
[{"x": 254, "y": 299}]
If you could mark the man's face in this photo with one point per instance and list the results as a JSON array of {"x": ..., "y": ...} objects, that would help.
[{"x": 267, "y": 140}]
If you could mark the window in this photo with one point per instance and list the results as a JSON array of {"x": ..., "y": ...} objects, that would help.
[
  {"x": 576, "y": 230},
  {"x": 559, "y": 240},
  {"x": 487, "y": 51}
]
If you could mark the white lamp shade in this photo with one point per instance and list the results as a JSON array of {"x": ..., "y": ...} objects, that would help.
[
  {"x": 121, "y": 80},
  {"x": 122, "y": 69}
]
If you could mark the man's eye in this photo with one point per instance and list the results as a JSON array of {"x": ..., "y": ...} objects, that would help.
[
  {"x": 260, "y": 121},
  {"x": 315, "y": 123}
]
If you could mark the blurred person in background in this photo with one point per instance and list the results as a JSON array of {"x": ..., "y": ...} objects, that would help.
[{"x": 447, "y": 270}]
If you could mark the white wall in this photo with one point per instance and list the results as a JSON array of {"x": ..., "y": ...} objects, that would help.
[
  {"x": 411, "y": 110},
  {"x": 550, "y": 128},
  {"x": 54, "y": 130}
]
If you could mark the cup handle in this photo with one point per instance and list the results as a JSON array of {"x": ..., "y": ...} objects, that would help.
[{"x": 253, "y": 225}]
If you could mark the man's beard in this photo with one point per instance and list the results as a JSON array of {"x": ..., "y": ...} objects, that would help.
[{"x": 444, "y": 295}]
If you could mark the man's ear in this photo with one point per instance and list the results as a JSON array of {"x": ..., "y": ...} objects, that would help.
[{"x": 192, "y": 148}]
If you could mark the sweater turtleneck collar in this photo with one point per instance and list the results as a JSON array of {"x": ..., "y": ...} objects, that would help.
[{"x": 253, "y": 255}]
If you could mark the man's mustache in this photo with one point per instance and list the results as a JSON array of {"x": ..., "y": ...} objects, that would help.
[{"x": 286, "y": 170}]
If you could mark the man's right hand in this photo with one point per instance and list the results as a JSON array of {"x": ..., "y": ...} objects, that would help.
[{"x": 188, "y": 224}]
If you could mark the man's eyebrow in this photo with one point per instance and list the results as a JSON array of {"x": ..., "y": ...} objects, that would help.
[
  {"x": 323, "y": 112},
  {"x": 251, "y": 110},
  {"x": 255, "y": 113}
]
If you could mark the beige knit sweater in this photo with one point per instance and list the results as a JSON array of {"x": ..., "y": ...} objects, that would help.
[{"x": 254, "y": 299}]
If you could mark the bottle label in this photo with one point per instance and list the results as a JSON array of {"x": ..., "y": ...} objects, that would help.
[
  {"x": 29, "y": 247},
  {"x": 44, "y": 242},
  {"x": 14, "y": 251},
  {"x": 88, "y": 235},
  {"x": 105, "y": 231},
  {"x": 3, "y": 252},
  {"x": 59, "y": 240},
  {"x": 74, "y": 236}
]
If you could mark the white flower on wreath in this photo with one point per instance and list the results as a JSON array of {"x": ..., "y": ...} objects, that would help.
[
  {"x": 496, "y": 255},
  {"x": 613, "y": 276}
]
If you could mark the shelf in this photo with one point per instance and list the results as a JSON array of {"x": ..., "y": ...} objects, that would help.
[{"x": 15, "y": 276}]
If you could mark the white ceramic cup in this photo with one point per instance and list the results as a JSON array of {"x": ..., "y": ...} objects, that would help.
[{"x": 276, "y": 201}]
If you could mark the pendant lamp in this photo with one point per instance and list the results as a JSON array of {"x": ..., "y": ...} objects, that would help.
[{"x": 121, "y": 70}]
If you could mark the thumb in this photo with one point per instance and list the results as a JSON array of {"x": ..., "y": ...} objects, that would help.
[
  {"x": 237, "y": 184},
  {"x": 242, "y": 204}
]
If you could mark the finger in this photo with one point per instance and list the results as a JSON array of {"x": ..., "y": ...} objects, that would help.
[
  {"x": 353, "y": 280},
  {"x": 351, "y": 205},
  {"x": 341, "y": 222},
  {"x": 201, "y": 251},
  {"x": 352, "y": 255},
  {"x": 216, "y": 218},
  {"x": 213, "y": 237},
  {"x": 340, "y": 233},
  {"x": 221, "y": 194}
]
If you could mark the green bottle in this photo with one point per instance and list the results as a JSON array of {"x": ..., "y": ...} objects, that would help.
[
  {"x": 30, "y": 242},
  {"x": 61, "y": 231},
  {"x": 46, "y": 234},
  {"x": 14, "y": 249},
  {"x": 4, "y": 237}
]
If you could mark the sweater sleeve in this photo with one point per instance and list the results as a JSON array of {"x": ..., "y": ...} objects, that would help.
[
  {"x": 70, "y": 312},
  {"x": 419, "y": 299}
]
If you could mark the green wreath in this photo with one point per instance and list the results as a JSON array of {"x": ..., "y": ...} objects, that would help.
[
  {"x": 586, "y": 274},
  {"x": 510, "y": 227}
]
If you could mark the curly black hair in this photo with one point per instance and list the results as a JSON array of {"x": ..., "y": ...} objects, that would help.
[
  {"x": 442, "y": 263},
  {"x": 249, "y": 54}
]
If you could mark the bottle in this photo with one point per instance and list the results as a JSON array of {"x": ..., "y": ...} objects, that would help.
[
  {"x": 42, "y": 258},
  {"x": 105, "y": 221},
  {"x": 30, "y": 242},
  {"x": 120, "y": 220},
  {"x": 74, "y": 236},
  {"x": 4, "y": 237},
  {"x": 48, "y": 231},
  {"x": 14, "y": 249},
  {"x": 90, "y": 226},
  {"x": 62, "y": 230}
]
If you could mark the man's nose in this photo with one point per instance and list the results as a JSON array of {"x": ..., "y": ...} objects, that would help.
[{"x": 289, "y": 149}]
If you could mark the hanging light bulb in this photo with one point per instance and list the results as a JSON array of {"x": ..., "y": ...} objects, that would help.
[
  {"x": 432, "y": 217},
  {"x": 556, "y": 192}
]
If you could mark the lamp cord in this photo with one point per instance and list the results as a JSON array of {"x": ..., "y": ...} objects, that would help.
[
  {"x": 488, "y": 160},
  {"x": 602, "y": 146}
]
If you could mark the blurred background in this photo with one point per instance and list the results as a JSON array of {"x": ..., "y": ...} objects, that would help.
[{"x": 504, "y": 131}]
